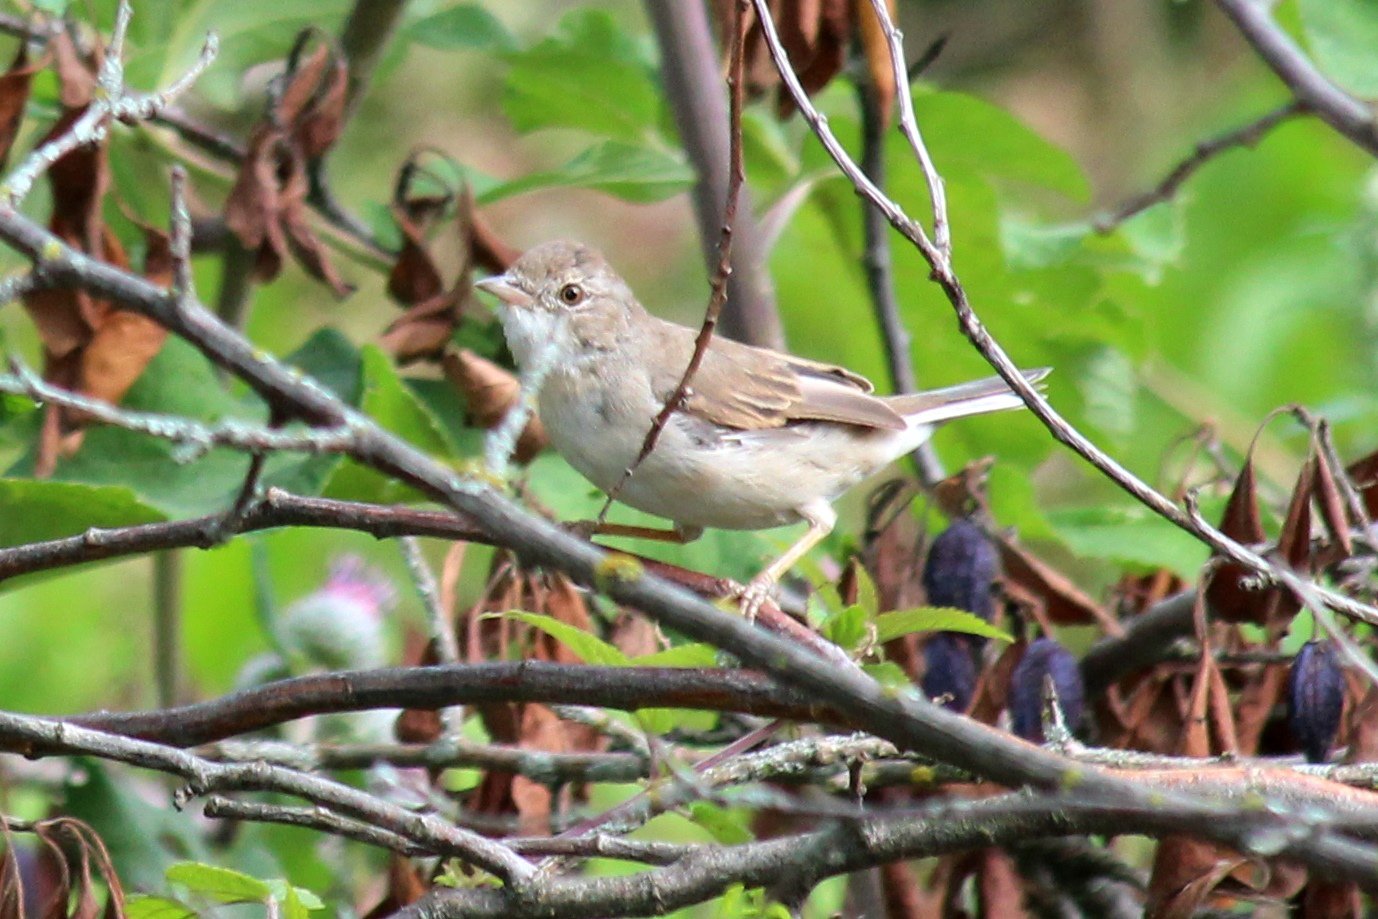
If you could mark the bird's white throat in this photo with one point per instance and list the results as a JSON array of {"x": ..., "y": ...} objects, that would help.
[{"x": 536, "y": 337}]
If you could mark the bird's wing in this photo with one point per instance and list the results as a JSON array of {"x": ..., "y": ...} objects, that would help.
[{"x": 750, "y": 388}]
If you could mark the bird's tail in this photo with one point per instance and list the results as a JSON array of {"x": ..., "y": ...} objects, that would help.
[{"x": 975, "y": 398}]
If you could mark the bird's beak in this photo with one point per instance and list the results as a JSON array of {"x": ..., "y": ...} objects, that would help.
[{"x": 501, "y": 286}]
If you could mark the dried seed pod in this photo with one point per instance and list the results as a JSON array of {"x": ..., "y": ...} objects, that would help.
[
  {"x": 961, "y": 567},
  {"x": 1315, "y": 698},
  {"x": 1044, "y": 658},
  {"x": 949, "y": 669}
]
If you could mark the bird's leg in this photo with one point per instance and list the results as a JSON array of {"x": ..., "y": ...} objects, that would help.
[
  {"x": 679, "y": 534},
  {"x": 821, "y": 519}
]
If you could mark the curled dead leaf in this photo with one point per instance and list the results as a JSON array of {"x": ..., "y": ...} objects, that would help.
[{"x": 490, "y": 391}]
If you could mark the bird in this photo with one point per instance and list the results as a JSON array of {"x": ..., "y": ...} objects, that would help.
[{"x": 763, "y": 438}]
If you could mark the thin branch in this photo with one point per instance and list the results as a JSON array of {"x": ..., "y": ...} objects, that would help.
[
  {"x": 1246, "y": 135},
  {"x": 320, "y": 819},
  {"x": 114, "y": 102},
  {"x": 693, "y": 84},
  {"x": 796, "y": 863},
  {"x": 195, "y": 437},
  {"x": 1351, "y": 117},
  {"x": 546, "y": 768},
  {"x": 438, "y": 622},
  {"x": 718, "y": 294},
  {"x": 45, "y": 736},
  {"x": 441, "y": 686},
  {"x": 877, "y": 261}
]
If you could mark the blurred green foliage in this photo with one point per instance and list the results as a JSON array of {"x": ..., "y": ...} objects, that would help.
[{"x": 1254, "y": 288}]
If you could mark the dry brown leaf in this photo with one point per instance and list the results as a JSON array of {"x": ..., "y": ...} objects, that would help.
[
  {"x": 405, "y": 887},
  {"x": 1229, "y": 600},
  {"x": 1332, "y": 504},
  {"x": 266, "y": 208},
  {"x": 14, "y": 96},
  {"x": 489, "y": 392},
  {"x": 1324, "y": 899}
]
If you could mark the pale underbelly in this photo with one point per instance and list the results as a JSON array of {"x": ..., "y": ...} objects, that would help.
[{"x": 742, "y": 481}]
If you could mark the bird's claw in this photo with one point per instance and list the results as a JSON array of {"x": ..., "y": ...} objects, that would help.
[
  {"x": 582, "y": 529},
  {"x": 754, "y": 595}
]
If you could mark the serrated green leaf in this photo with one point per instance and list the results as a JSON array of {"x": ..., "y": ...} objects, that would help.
[
  {"x": 142, "y": 906},
  {"x": 467, "y": 26},
  {"x": 623, "y": 170},
  {"x": 1128, "y": 534},
  {"x": 223, "y": 885},
  {"x": 591, "y": 648},
  {"x": 847, "y": 629},
  {"x": 1343, "y": 35},
  {"x": 934, "y": 619}
]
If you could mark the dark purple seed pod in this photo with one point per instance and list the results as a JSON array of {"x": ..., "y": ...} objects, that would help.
[
  {"x": 1044, "y": 658},
  {"x": 949, "y": 669},
  {"x": 1315, "y": 698},
  {"x": 962, "y": 565}
]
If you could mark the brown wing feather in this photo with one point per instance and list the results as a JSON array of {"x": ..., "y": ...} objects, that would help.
[{"x": 747, "y": 388}]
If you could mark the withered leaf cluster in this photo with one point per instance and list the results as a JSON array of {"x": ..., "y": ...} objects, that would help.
[
  {"x": 818, "y": 35},
  {"x": 90, "y": 346},
  {"x": 435, "y": 309},
  {"x": 267, "y": 207}
]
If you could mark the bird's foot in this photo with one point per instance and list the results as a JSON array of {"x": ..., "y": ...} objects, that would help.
[
  {"x": 755, "y": 594},
  {"x": 581, "y": 529}
]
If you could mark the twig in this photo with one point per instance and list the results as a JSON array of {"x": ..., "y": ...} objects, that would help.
[
  {"x": 114, "y": 102},
  {"x": 195, "y": 437},
  {"x": 540, "y": 766},
  {"x": 693, "y": 84},
  {"x": 438, "y": 622},
  {"x": 41, "y": 736},
  {"x": 1351, "y": 117},
  {"x": 441, "y": 686},
  {"x": 718, "y": 294},
  {"x": 316, "y": 818},
  {"x": 167, "y": 627},
  {"x": 1247, "y": 135},
  {"x": 878, "y": 263}
]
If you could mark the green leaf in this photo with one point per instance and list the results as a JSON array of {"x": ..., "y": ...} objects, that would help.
[
  {"x": 693, "y": 654},
  {"x": 1008, "y": 148},
  {"x": 847, "y": 629},
  {"x": 587, "y": 75},
  {"x": 934, "y": 619},
  {"x": 725, "y": 826},
  {"x": 220, "y": 884},
  {"x": 142, "y": 906},
  {"x": 1128, "y": 534},
  {"x": 467, "y": 27},
  {"x": 39, "y": 510},
  {"x": 623, "y": 170},
  {"x": 296, "y": 901},
  {"x": 888, "y": 673},
  {"x": 1343, "y": 35},
  {"x": 866, "y": 596},
  {"x": 591, "y": 648},
  {"x": 388, "y": 401}
]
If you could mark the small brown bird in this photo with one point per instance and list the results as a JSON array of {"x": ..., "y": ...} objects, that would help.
[{"x": 764, "y": 438}]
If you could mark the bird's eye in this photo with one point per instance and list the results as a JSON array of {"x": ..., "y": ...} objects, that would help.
[{"x": 571, "y": 294}]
